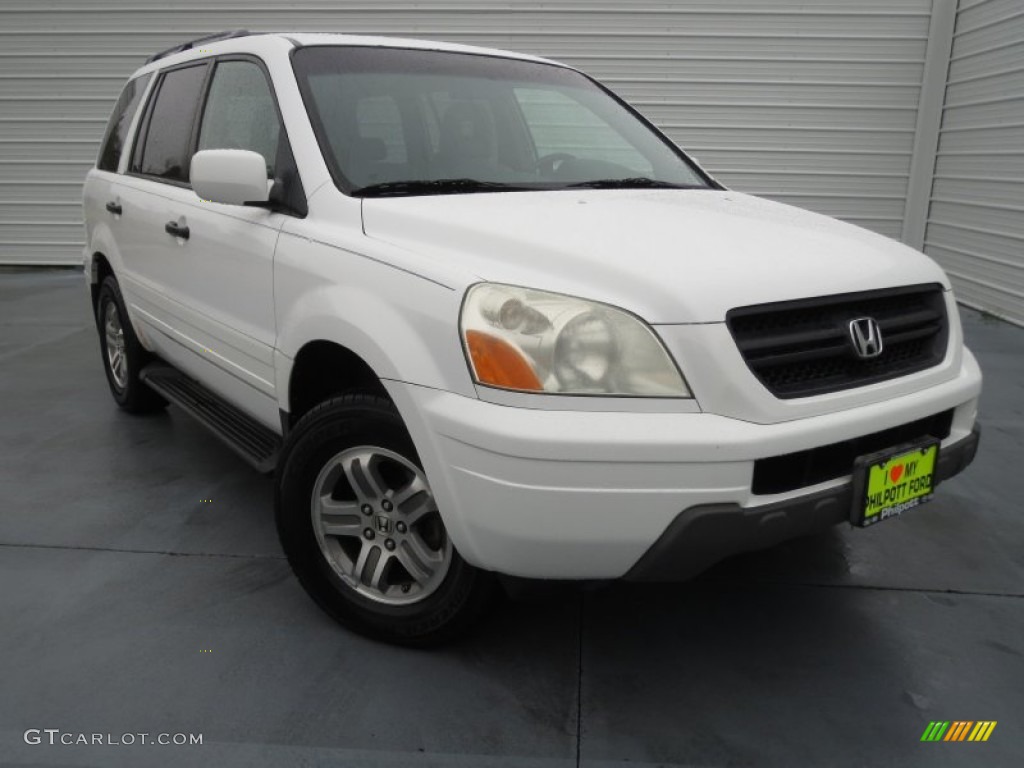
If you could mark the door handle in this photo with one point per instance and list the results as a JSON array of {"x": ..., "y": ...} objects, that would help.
[
  {"x": 114, "y": 208},
  {"x": 178, "y": 230}
]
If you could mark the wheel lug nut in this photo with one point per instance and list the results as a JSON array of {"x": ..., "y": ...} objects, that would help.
[
  {"x": 400, "y": 527},
  {"x": 367, "y": 509},
  {"x": 389, "y": 544},
  {"x": 368, "y": 533},
  {"x": 387, "y": 505}
]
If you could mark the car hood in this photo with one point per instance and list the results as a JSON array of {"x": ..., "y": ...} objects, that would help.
[{"x": 671, "y": 256}]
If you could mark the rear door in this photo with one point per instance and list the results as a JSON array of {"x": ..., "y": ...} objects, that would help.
[
  {"x": 102, "y": 194},
  {"x": 205, "y": 270}
]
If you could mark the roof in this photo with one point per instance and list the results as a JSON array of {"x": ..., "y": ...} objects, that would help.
[{"x": 238, "y": 41}]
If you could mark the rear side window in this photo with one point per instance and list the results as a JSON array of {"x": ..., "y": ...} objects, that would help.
[
  {"x": 167, "y": 142},
  {"x": 120, "y": 121},
  {"x": 240, "y": 112}
]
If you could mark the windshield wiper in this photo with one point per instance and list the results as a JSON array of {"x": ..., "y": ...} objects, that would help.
[
  {"x": 634, "y": 182},
  {"x": 435, "y": 187}
]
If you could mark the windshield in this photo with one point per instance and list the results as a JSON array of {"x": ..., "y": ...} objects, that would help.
[{"x": 396, "y": 121}]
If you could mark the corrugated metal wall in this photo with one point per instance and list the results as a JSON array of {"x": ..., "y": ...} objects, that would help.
[
  {"x": 809, "y": 103},
  {"x": 976, "y": 219}
]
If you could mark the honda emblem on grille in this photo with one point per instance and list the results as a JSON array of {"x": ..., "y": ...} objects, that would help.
[{"x": 866, "y": 337}]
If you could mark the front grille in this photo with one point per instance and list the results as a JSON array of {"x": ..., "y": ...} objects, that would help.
[
  {"x": 791, "y": 471},
  {"x": 802, "y": 348}
]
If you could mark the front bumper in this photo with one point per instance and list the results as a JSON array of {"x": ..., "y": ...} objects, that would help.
[
  {"x": 701, "y": 536},
  {"x": 557, "y": 494}
]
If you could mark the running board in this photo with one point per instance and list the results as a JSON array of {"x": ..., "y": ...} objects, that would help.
[{"x": 255, "y": 443}]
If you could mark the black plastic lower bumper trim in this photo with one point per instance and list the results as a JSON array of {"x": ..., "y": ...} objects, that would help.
[{"x": 701, "y": 536}]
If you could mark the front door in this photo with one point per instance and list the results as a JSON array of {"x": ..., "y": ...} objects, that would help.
[{"x": 205, "y": 284}]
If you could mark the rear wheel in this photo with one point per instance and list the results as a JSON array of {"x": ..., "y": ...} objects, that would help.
[
  {"x": 362, "y": 530},
  {"x": 123, "y": 356}
]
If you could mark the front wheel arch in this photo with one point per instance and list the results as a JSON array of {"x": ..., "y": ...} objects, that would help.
[
  {"x": 324, "y": 369},
  {"x": 358, "y": 419}
]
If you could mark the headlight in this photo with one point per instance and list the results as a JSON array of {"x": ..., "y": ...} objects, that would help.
[{"x": 533, "y": 341}]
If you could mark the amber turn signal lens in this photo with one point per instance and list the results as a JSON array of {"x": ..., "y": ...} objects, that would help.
[{"x": 498, "y": 363}]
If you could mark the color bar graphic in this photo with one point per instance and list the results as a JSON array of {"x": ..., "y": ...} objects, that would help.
[{"x": 958, "y": 730}]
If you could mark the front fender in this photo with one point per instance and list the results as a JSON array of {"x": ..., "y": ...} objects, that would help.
[{"x": 405, "y": 327}]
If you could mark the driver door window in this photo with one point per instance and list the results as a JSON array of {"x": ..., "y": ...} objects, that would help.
[{"x": 240, "y": 112}]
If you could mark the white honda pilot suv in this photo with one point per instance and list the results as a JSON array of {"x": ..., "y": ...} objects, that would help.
[{"x": 480, "y": 317}]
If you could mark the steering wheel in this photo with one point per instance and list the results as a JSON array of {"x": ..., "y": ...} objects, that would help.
[{"x": 548, "y": 164}]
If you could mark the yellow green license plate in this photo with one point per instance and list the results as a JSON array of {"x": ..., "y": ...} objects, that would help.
[{"x": 891, "y": 482}]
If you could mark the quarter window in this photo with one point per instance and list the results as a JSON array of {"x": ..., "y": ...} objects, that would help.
[
  {"x": 240, "y": 112},
  {"x": 120, "y": 121},
  {"x": 167, "y": 150}
]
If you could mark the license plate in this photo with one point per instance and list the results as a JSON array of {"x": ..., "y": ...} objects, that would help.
[{"x": 890, "y": 482}]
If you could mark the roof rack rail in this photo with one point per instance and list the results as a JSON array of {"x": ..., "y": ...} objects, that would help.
[{"x": 225, "y": 35}]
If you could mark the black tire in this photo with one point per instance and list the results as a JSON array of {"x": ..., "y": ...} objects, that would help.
[
  {"x": 458, "y": 601},
  {"x": 131, "y": 394}
]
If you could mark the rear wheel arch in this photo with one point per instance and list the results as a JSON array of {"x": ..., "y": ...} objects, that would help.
[
  {"x": 123, "y": 355},
  {"x": 99, "y": 270}
]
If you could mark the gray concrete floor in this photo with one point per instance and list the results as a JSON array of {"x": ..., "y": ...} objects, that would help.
[{"x": 128, "y": 605}]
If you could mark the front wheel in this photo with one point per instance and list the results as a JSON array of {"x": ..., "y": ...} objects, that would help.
[{"x": 362, "y": 531}]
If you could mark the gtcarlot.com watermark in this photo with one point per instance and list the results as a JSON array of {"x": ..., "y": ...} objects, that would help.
[{"x": 55, "y": 737}]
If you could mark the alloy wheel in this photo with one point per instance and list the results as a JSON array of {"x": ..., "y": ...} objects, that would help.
[
  {"x": 377, "y": 524},
  {"x": 116, "y": 358}
]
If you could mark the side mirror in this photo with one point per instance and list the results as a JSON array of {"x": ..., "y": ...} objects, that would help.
[{"x": 230, "y": 176}]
